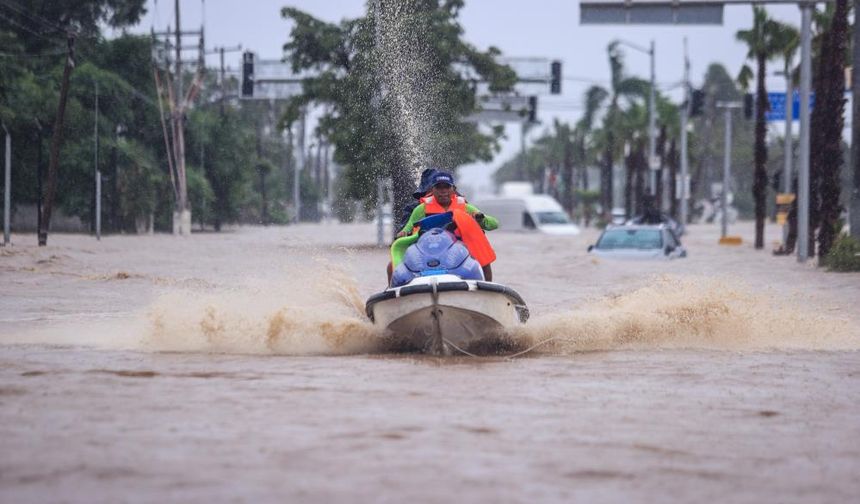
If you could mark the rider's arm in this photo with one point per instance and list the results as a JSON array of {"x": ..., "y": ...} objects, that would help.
[
  {"x": 416, "y": 216},
  {"x": 488, "y": 223}
]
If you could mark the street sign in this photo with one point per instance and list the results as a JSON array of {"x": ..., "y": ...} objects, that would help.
[
  {"x": 777, "y": 106},
  {"x": 651, "y": 12},
  {"x": 501, "y": 108},
  {"x": 270, "y": 79}
]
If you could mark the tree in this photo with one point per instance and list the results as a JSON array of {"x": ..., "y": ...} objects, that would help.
[
  {"x": 41, "y": 28},
  {"x": 761, "y": 46},
  {"x": 621, "y": 87},
  {"x": 827, "y": 121},
  {"x": 593, "y": 101},
  {"x": 398, "y": 83}
]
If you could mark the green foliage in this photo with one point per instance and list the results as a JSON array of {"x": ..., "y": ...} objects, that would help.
[
  {"x": 844, "y": 255},
  {"x": 140, "y": 182},
  {"x": 220, "y": 149},
  {"x": 365, "y": 91},
  {"x": 200, "y": 194}
]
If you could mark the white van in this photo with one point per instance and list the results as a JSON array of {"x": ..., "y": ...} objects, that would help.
[{"x": 531, "y": 212}]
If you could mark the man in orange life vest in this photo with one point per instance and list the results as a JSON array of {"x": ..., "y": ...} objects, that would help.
[{"x": 443, "y": 198}]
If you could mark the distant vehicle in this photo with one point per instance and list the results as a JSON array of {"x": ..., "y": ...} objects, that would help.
[
  {"x": 530, "y": 212},
  {"x": 632, "y": 241}
]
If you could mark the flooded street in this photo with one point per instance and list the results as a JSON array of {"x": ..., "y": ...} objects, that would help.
[{"x": 240, "y": 367}]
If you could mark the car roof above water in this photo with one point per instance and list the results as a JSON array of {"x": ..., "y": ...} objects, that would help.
[{"x": 637, "y": 227}]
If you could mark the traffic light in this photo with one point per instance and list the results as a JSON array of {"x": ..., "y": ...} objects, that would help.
[
  {"x": 697, "y": 102},
  {"x": 555, "y": 77},
  {"x": 532, "y": 109},
  {"x": 749, "y": 105},
  {"x": 247, "y": 74}
]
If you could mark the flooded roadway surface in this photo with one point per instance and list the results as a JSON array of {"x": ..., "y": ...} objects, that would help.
[{"x": 239, "y": 367}]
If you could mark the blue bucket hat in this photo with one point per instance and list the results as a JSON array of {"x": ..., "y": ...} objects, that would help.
[
  {"x": 441, "y": 177},
  {"x": 424, "y": 186}
]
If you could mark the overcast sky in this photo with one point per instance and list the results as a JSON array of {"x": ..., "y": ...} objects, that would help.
[{"x": 526, "y": 28}]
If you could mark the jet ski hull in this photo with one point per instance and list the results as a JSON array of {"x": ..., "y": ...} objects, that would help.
[{"x": 445, "y": 316}]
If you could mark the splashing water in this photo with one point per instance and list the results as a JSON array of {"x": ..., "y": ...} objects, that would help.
[
  {"x": 322, "y": 313},
  {"x": 690, "y": 313},
  {"x": 672, "y": 313}
]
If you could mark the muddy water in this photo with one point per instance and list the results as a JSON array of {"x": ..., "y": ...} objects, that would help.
[{"x": 240, "y": 367}]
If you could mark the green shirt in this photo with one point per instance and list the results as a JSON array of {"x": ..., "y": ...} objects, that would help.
[{"x": 489, "y": 223}]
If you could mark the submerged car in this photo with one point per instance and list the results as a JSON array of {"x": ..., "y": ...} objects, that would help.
[{"x": 638, "y": 242}]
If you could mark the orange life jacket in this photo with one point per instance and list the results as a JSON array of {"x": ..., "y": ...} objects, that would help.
[
  {"x": 467, "y": 230},
  {"x": 432, "y": 207}
]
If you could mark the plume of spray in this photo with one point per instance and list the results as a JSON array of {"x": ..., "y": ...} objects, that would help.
[{"x": 408, "y": 73}]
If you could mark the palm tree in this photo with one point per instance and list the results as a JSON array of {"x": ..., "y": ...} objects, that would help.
[
  {"x": 760, "y": 41},
  {"x": 583, "y": 132},
  {"x": 826, "y": 127},
  {"x": 630, "y": 87}
]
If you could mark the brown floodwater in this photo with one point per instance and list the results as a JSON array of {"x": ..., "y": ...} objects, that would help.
[{"x": 240, "y": 367}]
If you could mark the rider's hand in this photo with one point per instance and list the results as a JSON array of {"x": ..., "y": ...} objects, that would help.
[
  {"x": 401, "y": 234},
  {"x": 479, "y": 217}
]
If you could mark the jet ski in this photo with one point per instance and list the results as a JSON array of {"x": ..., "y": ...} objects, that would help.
[{"x": 439, "y": 302}]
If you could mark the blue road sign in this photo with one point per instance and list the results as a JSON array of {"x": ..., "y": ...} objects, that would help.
[{"x": 777, "y": 106}]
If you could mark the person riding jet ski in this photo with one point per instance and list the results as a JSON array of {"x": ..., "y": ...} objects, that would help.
[
  {"x": 418, "y": 196},
  {"x": 443, "y": 198},
  {"x": 440, "y": 298}
]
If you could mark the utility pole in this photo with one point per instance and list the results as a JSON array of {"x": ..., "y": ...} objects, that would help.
[
  {"x": 727, "y": 160},
  {"x": 56, "y": 142},
  {"x": 683, "y": 194},
  {"x": 289, "y": 164},
  {"x": 39, "y": 178},
  {"x": 803, "y": 167},
  {"x": 7, "y": 189},
  {"x": 179, "y": 226},
  {"x": 223, "y": 74},
  {"x": 653, "y": 164},
  {"x": 854, "y": 204},
  {"x": 300, "y": 165},
  {"x": 178, "y": 101},
  {"x": 97, "y": 216}
]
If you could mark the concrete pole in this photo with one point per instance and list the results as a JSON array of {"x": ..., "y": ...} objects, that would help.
[
  {"x": 854, "y": 203},
  {"x": 727, "y": 159},
  {"x": 182, "y": 215},
  {"x": 7, "y": 189},
  {"x": 789, "y": 123},
  {"x": 97, "y": 174},
  {"x": 98, "y": 205},
  {"x": 803, "y": 166},
  {"x": 684, "y": 161},
  {"x": 652, "y": 125},
  {"x": 300, "y": 165},
  {"x": 223, "y": 83}
]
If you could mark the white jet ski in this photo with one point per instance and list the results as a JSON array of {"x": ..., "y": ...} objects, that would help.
[{"x": 439, "y": 302}]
